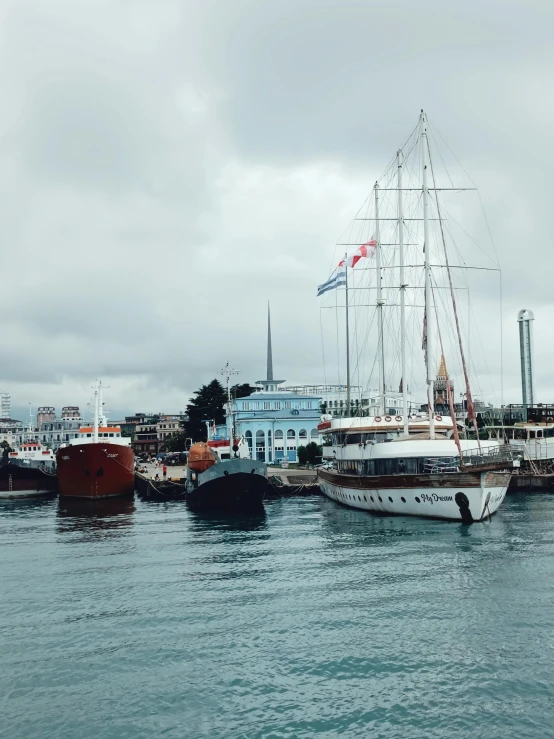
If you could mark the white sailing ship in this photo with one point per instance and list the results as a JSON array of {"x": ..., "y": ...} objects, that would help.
[{"x": 406, "y": 464}]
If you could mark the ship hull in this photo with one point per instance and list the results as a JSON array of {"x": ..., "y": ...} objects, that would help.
[
  {"x": 234, "y": 485},
  {"x": 465, "y": 497},
  {"x": 17, "y": 481},
  {"x": 96, "y": 470}
]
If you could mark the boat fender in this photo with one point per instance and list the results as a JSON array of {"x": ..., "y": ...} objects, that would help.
[
  {"x": 398, "y": 418},
  {"x": 377, "y": 419},
  {"x": 388, "y": 418},
  {"x": 438, "y": 418}
]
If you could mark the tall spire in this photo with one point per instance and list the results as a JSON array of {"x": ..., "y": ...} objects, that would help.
[
  {"x": 269, "y": 353},
  {"x": 269, "y": 384}
]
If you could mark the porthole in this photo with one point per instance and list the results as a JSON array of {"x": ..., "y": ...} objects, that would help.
[
  {"x": 380, "y": 499},
  {"x": 359, "y": 498},
  {"x": 365, "y": 498},
  {"x": 390, "y": 499},
  {"x": 417, "y": 500},
  {"x": 371, "y": 496},
  {"x": 403, "y": 499}
]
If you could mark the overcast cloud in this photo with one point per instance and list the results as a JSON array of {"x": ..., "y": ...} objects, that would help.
[{"x": 168, "y": 167}]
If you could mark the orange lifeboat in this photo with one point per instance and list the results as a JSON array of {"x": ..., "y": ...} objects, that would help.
[{"x": 200, "y": 457}]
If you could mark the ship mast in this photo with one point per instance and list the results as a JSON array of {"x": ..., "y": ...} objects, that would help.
[
  {"x": 347, "y": 414},
  {"x": 428, "y": 323},
  {"x": 227, "y": 372},
  {"x": 402, "y": 297},
  {"x": 380, "y": 340},
  {"x": 95, "y": 428}
]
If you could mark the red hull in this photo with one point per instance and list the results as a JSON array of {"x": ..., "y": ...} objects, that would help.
[{"x": 95, "y": 470}]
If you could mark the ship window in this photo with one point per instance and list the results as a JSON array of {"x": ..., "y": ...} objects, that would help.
[
  {"x": 287, "y": 404},
  {"x": 111, "y": 434},
  {"x": 417, "y": 500},
  {"x": 390, "y": 499},
  {"x": 89, "y": 435},
  {"x": 245, "y": 406},
  {"x": 403, "y": 499},
  {"x": 277, "y": 405},
  {"x": 266, "y": 405},
  {"x": 302, "y": 434},
  {"x": 278, "y": 434},
  {"x": 291, "y": 434},
  {"x": 314, "y": 433}
]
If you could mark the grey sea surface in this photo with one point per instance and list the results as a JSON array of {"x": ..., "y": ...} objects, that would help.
[{"x": 134, "y": 619}]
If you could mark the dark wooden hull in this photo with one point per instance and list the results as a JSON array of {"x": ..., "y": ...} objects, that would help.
[{"x": 97, "y": 470}]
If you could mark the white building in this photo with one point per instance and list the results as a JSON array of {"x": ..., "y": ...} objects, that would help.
[
  {"x": 362, "y": 401},
  {"x": 59, "y": 431},
  {"x": 12, "y": 431}
]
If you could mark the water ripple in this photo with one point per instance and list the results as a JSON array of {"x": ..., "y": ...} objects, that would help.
[{"x": 145, "y": 620}]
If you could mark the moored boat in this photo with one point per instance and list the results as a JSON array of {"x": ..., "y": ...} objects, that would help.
[
  {"x": 411, "y": 464},
  {"x": 99, "y": 463},
  {"x": 28, "y": 471},
  {"x": 229, "y": 485},
  {"x": 374, "y": 468}
]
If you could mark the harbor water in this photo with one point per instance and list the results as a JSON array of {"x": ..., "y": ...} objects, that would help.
[{"x": 140, "y": 619}]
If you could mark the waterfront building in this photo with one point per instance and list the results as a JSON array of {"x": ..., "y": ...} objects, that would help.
[
  {"x": 363, "y": 402},
  {"x": 5, "y": 405},
  {"x": 525, "y": 319},
  {"x": 168, "y": 425},
  {"x": 58, "y": 431},
  {"x": 71, "y": 413},
  {"x": 45, "y": 414},
  {"x": 145, "y": 439},
  {"x": 274, "y": 422},
  {"x": 12, "y": 431}
]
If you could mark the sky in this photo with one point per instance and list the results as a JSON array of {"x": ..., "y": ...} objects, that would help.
[{"x": 168, "y": 168}]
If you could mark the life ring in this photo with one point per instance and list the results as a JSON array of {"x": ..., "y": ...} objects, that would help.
[
  {"x": 438, "y": 418},
  {"x": 398, "y": 418},
  {"x": 377, "y": 419},
  {"x": 388, "y": 418}
]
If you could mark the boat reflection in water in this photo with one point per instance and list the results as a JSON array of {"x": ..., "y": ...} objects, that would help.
[
  {"x": 95, "y": 514},
  {"x": 253, "y": 521}
]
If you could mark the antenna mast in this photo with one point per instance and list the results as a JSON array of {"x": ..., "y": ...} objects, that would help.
[{"x": 227, "y": 372}]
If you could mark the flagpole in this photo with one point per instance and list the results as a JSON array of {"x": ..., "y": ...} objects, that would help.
[
  {"x": 402, "y": 296},
  {"x": 428, "y": 311},
  {"x": 380, "y": 341},
  {"x": 347, "y": 341}
]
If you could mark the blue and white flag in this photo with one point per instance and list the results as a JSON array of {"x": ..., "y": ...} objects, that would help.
[{"x": 337, "y": 279}]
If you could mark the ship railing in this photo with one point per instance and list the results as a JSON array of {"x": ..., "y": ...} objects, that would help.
[
  {"x": 493, "y": 455},
  {"x": 440, "y": 465}
]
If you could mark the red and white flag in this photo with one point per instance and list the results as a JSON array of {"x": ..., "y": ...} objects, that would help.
[{"x": 365, "y": 250}]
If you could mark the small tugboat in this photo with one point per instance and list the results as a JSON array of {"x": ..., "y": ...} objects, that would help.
[
  {"x": 99, "y": 463},
  {"x": 28, "y": 472},
  {"x": 215, "y": 484},
  {"x": 229, "y": 485}
]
